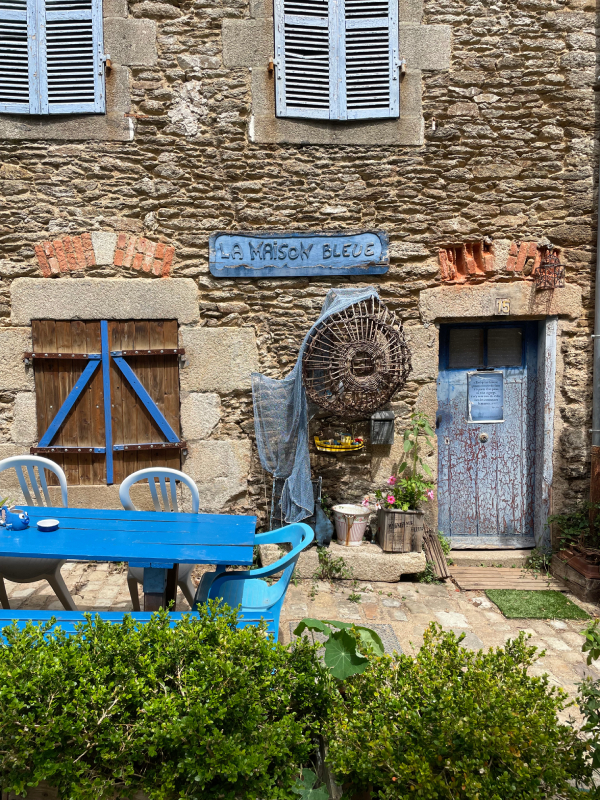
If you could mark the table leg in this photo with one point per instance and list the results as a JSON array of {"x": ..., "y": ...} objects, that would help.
[
  {"x": 155, "y": 584},
  {"x": 171, "y": 587}
]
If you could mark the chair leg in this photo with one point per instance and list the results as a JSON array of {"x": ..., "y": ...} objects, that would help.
[
  {"x": 3, "y": 595},
  {"x": 133, "y": 591},
  {"x": 188, "y": 589},
  {"x": 59, "y": 588}
]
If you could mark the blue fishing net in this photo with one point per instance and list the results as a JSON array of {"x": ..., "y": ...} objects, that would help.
[{"x": 281, "y": 415}]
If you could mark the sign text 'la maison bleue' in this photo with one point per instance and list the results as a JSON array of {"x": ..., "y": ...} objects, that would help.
[{"x": 271, "y": 255}]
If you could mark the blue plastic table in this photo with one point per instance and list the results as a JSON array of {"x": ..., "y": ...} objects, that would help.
[{"x": 157, "y": 541}]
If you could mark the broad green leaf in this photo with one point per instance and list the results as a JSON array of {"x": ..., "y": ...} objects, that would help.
[
  {"x": 304, "y": 787},
  {"x": 341, "y": 657},
  {"x": 402, "y": 466},
  {"x": 427, "y": 428},
  {"x": 427, "y": 469},
  {"x": 407, "y": 445},
  {"x": 312, "y": 625},
  {"x": 368, "y": 636}
]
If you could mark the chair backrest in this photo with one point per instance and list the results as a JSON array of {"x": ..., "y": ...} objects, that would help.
[
  {"x": 22, "y": 464},
  {"x": 168, "y": 495}
]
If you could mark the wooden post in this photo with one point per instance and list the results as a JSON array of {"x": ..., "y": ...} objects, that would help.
[{"x": 594, "y": 484}]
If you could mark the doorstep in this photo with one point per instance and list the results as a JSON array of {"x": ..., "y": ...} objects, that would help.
[
  {"x": 490, "y": 558},
  {"x": 366, "y": 563}
]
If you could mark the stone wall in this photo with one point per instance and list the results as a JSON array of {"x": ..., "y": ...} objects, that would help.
[{"x": 507, "y": 155}]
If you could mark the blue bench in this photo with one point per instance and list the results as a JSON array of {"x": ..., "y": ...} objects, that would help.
[{"x": 66, "y": 620}]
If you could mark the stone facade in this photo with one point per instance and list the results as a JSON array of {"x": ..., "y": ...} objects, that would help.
[{"x": 498, "y": 148}]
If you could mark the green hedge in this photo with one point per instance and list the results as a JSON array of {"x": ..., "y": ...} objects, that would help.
[
  {"x": 200, "y": 711},
  {"x": 456, "y": 725}
]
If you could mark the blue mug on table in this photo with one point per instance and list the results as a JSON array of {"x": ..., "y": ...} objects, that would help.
[{"x": 14, "y": 521}]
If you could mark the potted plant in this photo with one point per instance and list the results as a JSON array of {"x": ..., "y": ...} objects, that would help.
[
  {"x": 400, "y": 521},
  {"x": 577, "y": 558}
]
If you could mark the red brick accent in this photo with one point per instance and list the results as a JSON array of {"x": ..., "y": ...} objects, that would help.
[
  {"x": 476, "y": 261},
  {"x": 65, "y": 254},
  {"x": 142, "y": 254},
  {"x": 69, "y": 253}
]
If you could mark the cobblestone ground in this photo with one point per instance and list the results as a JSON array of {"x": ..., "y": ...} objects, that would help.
[{"x": 406, "y": 609}]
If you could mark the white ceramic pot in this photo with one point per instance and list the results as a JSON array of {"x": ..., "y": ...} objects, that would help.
[{"x": 350, "y": 523}]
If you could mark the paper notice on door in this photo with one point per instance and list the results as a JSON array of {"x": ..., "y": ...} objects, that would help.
[{"x": 485, "y": 397}]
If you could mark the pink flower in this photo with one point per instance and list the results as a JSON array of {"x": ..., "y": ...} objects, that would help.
[
  {"x": 365, "y": 502},
  {"x": 391, "y": 499},
  {"x": 391, "y": 481},
  {"x": 430, "y": 494}
]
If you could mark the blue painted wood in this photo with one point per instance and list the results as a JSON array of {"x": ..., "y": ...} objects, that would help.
[
  {"x": 337, "y": 61},
  {"x": 148, "y": 402},
  {"x": 68, "y": 404},
  {"x": 107, "y": 400},
  {"x": 67, "y": 621},
  {"x": 139, "y": 537},
  {"x": 155, "y": 580},
  {"x": 249, "y": 589},
  {"x": 268, "y": 254},
  {"x": 486, "y": 488}
]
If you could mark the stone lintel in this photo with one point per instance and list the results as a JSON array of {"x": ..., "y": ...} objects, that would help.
[
  {"x": 476, "y": 302},
  {"x": 103, "y": 298},
  {"x": 367, "y": 562}
]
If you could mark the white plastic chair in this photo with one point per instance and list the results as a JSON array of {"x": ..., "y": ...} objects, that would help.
[
  {"x": 28, "y": 570},
  {"x": 167, "y": 483}
]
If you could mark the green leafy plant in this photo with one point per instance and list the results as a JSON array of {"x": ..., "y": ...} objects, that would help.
[
  {"x": 408, "y": 492},
  {"x": 452, "y": 724},
  {"x": 589, "y": 696},
  {"x": 539, "y": 561},
  {"x": 305, "y": 787},
  {"x": 354, "y": 597},
  {"x": 591, "y": 646},
  {"x": 574, "y": 526},
  {"x": 446, "y": 546},
  {"x": 331, "y": 568},
  {"x": 347, "y": 647},
  {"x": 197, "y": 711},
  {"x": 428, "y": 575}
]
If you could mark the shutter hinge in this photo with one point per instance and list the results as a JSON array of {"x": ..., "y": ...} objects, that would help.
[
  {"x": 399, "y": 64},
  {"x": 105, "y": 61},
  {"x": 271, "y": 65}
]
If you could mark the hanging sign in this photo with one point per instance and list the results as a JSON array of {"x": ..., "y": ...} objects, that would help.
[
  {"x": 271, "y": 255},
  {"x": 485, "y": 396}
]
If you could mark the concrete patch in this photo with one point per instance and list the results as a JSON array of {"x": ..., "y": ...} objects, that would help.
[
  {"x": 218, "y": 359},
  {"x": 13, "y": 372},
  {"x": 103, "y": 298}
]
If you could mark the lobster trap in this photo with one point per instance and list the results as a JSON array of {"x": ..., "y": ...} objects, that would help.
[{"x": 356, "y": 359}]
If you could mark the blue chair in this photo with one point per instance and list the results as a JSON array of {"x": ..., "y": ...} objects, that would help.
[{"x": 248, "y": 589}]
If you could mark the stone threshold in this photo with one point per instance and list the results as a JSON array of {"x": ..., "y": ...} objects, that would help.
[{"x": 367, "y": 562}]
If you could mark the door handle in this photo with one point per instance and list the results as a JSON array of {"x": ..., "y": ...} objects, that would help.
[{"x": 483, "y": 437}]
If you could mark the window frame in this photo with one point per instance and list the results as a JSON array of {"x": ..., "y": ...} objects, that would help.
[{"x": 485, "y": 326}]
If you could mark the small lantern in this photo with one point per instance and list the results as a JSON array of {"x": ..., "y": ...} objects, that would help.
[
  {"x": 382, "y": 427},
  {"x": 551, "y": 273}
]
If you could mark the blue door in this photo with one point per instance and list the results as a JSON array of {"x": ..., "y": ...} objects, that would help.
[{"x": 486, "y": 434}]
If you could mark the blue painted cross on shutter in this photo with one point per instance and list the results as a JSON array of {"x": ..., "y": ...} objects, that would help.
[
  {"x": 94, "y": 361},
  {"x": 337, "y": 59},
  {"x": 51, "y": 57}
]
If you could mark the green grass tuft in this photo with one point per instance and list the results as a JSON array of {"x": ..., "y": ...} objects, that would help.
[{"x": 544, "y": 604}]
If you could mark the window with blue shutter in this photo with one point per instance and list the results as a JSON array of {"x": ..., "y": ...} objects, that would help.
[
  {"x": 51, "y": 57},
  {"x": 337, "y": 59}
]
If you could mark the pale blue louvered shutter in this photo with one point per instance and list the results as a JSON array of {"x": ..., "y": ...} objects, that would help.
[
  {"x": 14, "y": 57},
  {"x": 61, "y": 68},
  {"x": 302, "y": 34},
  {"x": 337, "y": 59}
]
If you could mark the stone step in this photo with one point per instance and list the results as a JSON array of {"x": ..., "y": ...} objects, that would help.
[
  {"x": 367, "y": 562},
  {"x": 489, "y": 558}
]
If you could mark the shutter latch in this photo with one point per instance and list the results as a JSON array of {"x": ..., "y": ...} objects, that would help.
[
  {"x": 399, "y": 64},
  {"x": 105, "y": 61},
  {"x": 271, "y": 66}
]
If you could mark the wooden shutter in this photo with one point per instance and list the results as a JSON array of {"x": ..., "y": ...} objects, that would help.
[
  {"x": 14, "y": 58},
  {"x": 337, "y": 59},
  {"x": 302, "y": 56},
  {"x": 52, "y": 57},
  {"x": 84, "y": 426}
]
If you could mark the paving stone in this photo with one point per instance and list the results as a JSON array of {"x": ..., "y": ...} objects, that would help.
[
  {"x": 558, "y": 624},
  {"x": 399, "y": 616},
  {"x": 471, "y": 641},
  {"x": 556, "y": 644},
  {"x": 391, "y": 603},
  {"x": 451, "y": 619}
]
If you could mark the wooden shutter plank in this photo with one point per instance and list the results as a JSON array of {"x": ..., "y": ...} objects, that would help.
[
  {"x": 116, "y": 388},
  {"x": 50, "y": 372},
  {"x": 156, "y": 387},
  {"x": 68, "y": 373},
  {"x": 96, "y": 391},
  {"x": 83, "y": 408},
  {"x": 130, "y": 404},
  {"x": 171, "y": 389},
  {"x": 139, "y": 366}
]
